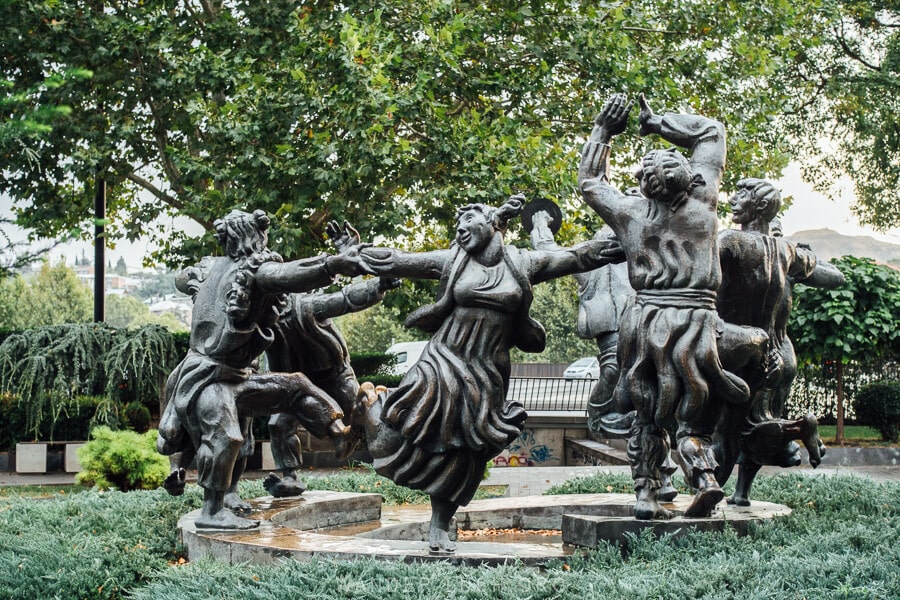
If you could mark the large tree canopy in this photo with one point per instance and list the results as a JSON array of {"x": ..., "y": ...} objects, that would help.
[
  {"x": 388, "y": 113},
  {"x": 852, "y": 127}
]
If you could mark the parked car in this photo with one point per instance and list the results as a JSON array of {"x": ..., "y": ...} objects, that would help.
[
  {"x": 407, "y": 354},
  {"x": 583, "y": 368}
]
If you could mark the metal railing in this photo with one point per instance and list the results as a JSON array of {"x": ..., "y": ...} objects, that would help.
[{"x": 550, "y": 393}]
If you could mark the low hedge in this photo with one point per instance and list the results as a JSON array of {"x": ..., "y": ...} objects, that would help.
[
  {"x": 73, "y": 423},
  {"x": 878, "y": 405}
]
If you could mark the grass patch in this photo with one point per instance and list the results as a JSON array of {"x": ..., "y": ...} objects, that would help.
[
  {"x": 840, "y": 542},
  {"x": 854, "y": 435}
]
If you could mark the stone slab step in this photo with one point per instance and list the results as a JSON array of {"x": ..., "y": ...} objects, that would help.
[{"x": 592, "y": 452}]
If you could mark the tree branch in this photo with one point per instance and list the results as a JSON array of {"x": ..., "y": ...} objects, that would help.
[{"x": 853, "y": 54}]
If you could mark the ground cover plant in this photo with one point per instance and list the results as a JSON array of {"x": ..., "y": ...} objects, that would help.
[{"x": 840, "y": 542}]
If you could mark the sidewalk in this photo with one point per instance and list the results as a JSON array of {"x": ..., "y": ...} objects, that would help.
[
  {"x": 530, "y": 481},
  {"x": 522, "y": 481}
]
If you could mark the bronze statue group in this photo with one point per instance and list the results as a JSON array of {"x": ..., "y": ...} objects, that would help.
[{"x": 690, "y": 325}]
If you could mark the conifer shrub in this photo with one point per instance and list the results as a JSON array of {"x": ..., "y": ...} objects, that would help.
[
  {"x": 124, "y": 460},
  {"x": 136, "y": 417},
  {"x": 878, "y": 405}
]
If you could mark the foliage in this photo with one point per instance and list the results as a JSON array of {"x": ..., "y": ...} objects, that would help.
[
  {"x": 878, "y": 404},
  {"x": 47, "y": 368},
  {"x": 87, "y": 545},
  {"x": 124, "y": 460},
  {"x": 815, "y": 387},
  {"x": 125, "y": 311},
  {"x": 838, "y": 543},
  {"x": 138, "y": 363},
  {"x": 555, "y": 306},
  {"x": 860, "y": 320},
  {"x": 856, "y": 72},
  {"x": 53, "y": 297},
  {"x": 370, "y": 363},
  {"x": 73, "y": 423},
  {"x": 136, "y": 417},
  {"x": 324, "y": 111},
  {"x": 375, "y": 329}
]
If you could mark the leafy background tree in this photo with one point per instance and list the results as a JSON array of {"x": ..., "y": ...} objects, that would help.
[
  {"x": 857, "y": 322},
  {"x": 389, "y": 114}
]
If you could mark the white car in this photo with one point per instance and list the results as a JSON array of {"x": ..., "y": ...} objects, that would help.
[
  {"x": 406, "y": 353},
  {"x": 583, "y": 368}
]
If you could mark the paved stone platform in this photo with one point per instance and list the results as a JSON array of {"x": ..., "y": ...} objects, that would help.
[{"x": 347, "y": 525}]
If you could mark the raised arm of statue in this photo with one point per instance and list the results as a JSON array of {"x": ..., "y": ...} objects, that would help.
[
  {"x": 541, "y": 235},
  {"x": 593, "y": 171},
  {"x": 705, "y": 138}
]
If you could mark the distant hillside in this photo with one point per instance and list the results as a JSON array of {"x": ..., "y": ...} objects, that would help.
[{"x": 829, "y": 244}]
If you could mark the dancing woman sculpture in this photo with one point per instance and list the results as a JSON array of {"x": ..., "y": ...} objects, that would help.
[{"x": 449, "y": 416}]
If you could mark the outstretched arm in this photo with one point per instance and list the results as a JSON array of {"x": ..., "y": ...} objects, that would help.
[
  {"x": 586, "y": 256},
  {"x": 390, "y": 262},
  {"x": 352, "y": 298}
]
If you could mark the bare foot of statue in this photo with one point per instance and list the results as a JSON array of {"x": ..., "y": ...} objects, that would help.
[
  {"x": 439, "y": 541},
  {"x": 667, "y": 491},
  {"x": 224, "y": 519},
  {"x": 708, "y": 495},
  {"x": 647, "y": 506},
  {"x": 174, "y": 483},
  {"x": 234, "y": 503},
  {"x": 286, "y": 486}
]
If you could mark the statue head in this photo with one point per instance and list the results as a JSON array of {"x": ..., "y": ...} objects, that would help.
[
  {"x": 243, "y": 234},
  {"x": 477, "y": 223},
  {"x": 754, "y": 200},
  {"x": 666, "y": 176}
]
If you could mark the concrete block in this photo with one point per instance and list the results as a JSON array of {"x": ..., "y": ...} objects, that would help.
[
  {"x": 268, "y": 462},
  {"x": 72, "y": 464},
  {"x": 31, "y": 457}
]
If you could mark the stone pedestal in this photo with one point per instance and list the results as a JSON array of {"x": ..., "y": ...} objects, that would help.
[
  {"x": 72, "y": 464},
  {"x": 31, "y": 457}
]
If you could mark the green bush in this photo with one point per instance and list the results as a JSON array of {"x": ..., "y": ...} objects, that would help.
[
  {"x": 125, "y": 460},
  {"x": 136, "y": 416},
  {"x": 878, "y": 405},
  {"x": 371, "y": 363}
]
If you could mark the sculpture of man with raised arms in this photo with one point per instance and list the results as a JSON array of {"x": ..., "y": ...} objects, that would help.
[{"x": 668, "y": 353}]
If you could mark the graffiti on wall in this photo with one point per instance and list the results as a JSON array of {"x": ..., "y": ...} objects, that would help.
[{"x": 525, "y": 451}]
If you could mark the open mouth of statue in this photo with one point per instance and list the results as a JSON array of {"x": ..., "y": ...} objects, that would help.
[{"x": 464, "y": 238}]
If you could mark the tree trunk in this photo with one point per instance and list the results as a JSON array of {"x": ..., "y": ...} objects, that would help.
[{"x": 839, "y": 429}]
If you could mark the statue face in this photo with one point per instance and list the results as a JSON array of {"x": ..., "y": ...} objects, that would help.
[
  {"x": 743, "y": 209},
  {"x": 473, "y": 232}
]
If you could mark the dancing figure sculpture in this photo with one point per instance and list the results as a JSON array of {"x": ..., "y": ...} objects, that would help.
[
  {"x": 668, "y": 340},
  {"x": 238, "y": 299},
  {"x": 758, "y": 271},
  {"x": 449, "y": 416}
]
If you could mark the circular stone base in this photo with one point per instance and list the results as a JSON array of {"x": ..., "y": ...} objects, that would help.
[{"x": 346, "y": 525}]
